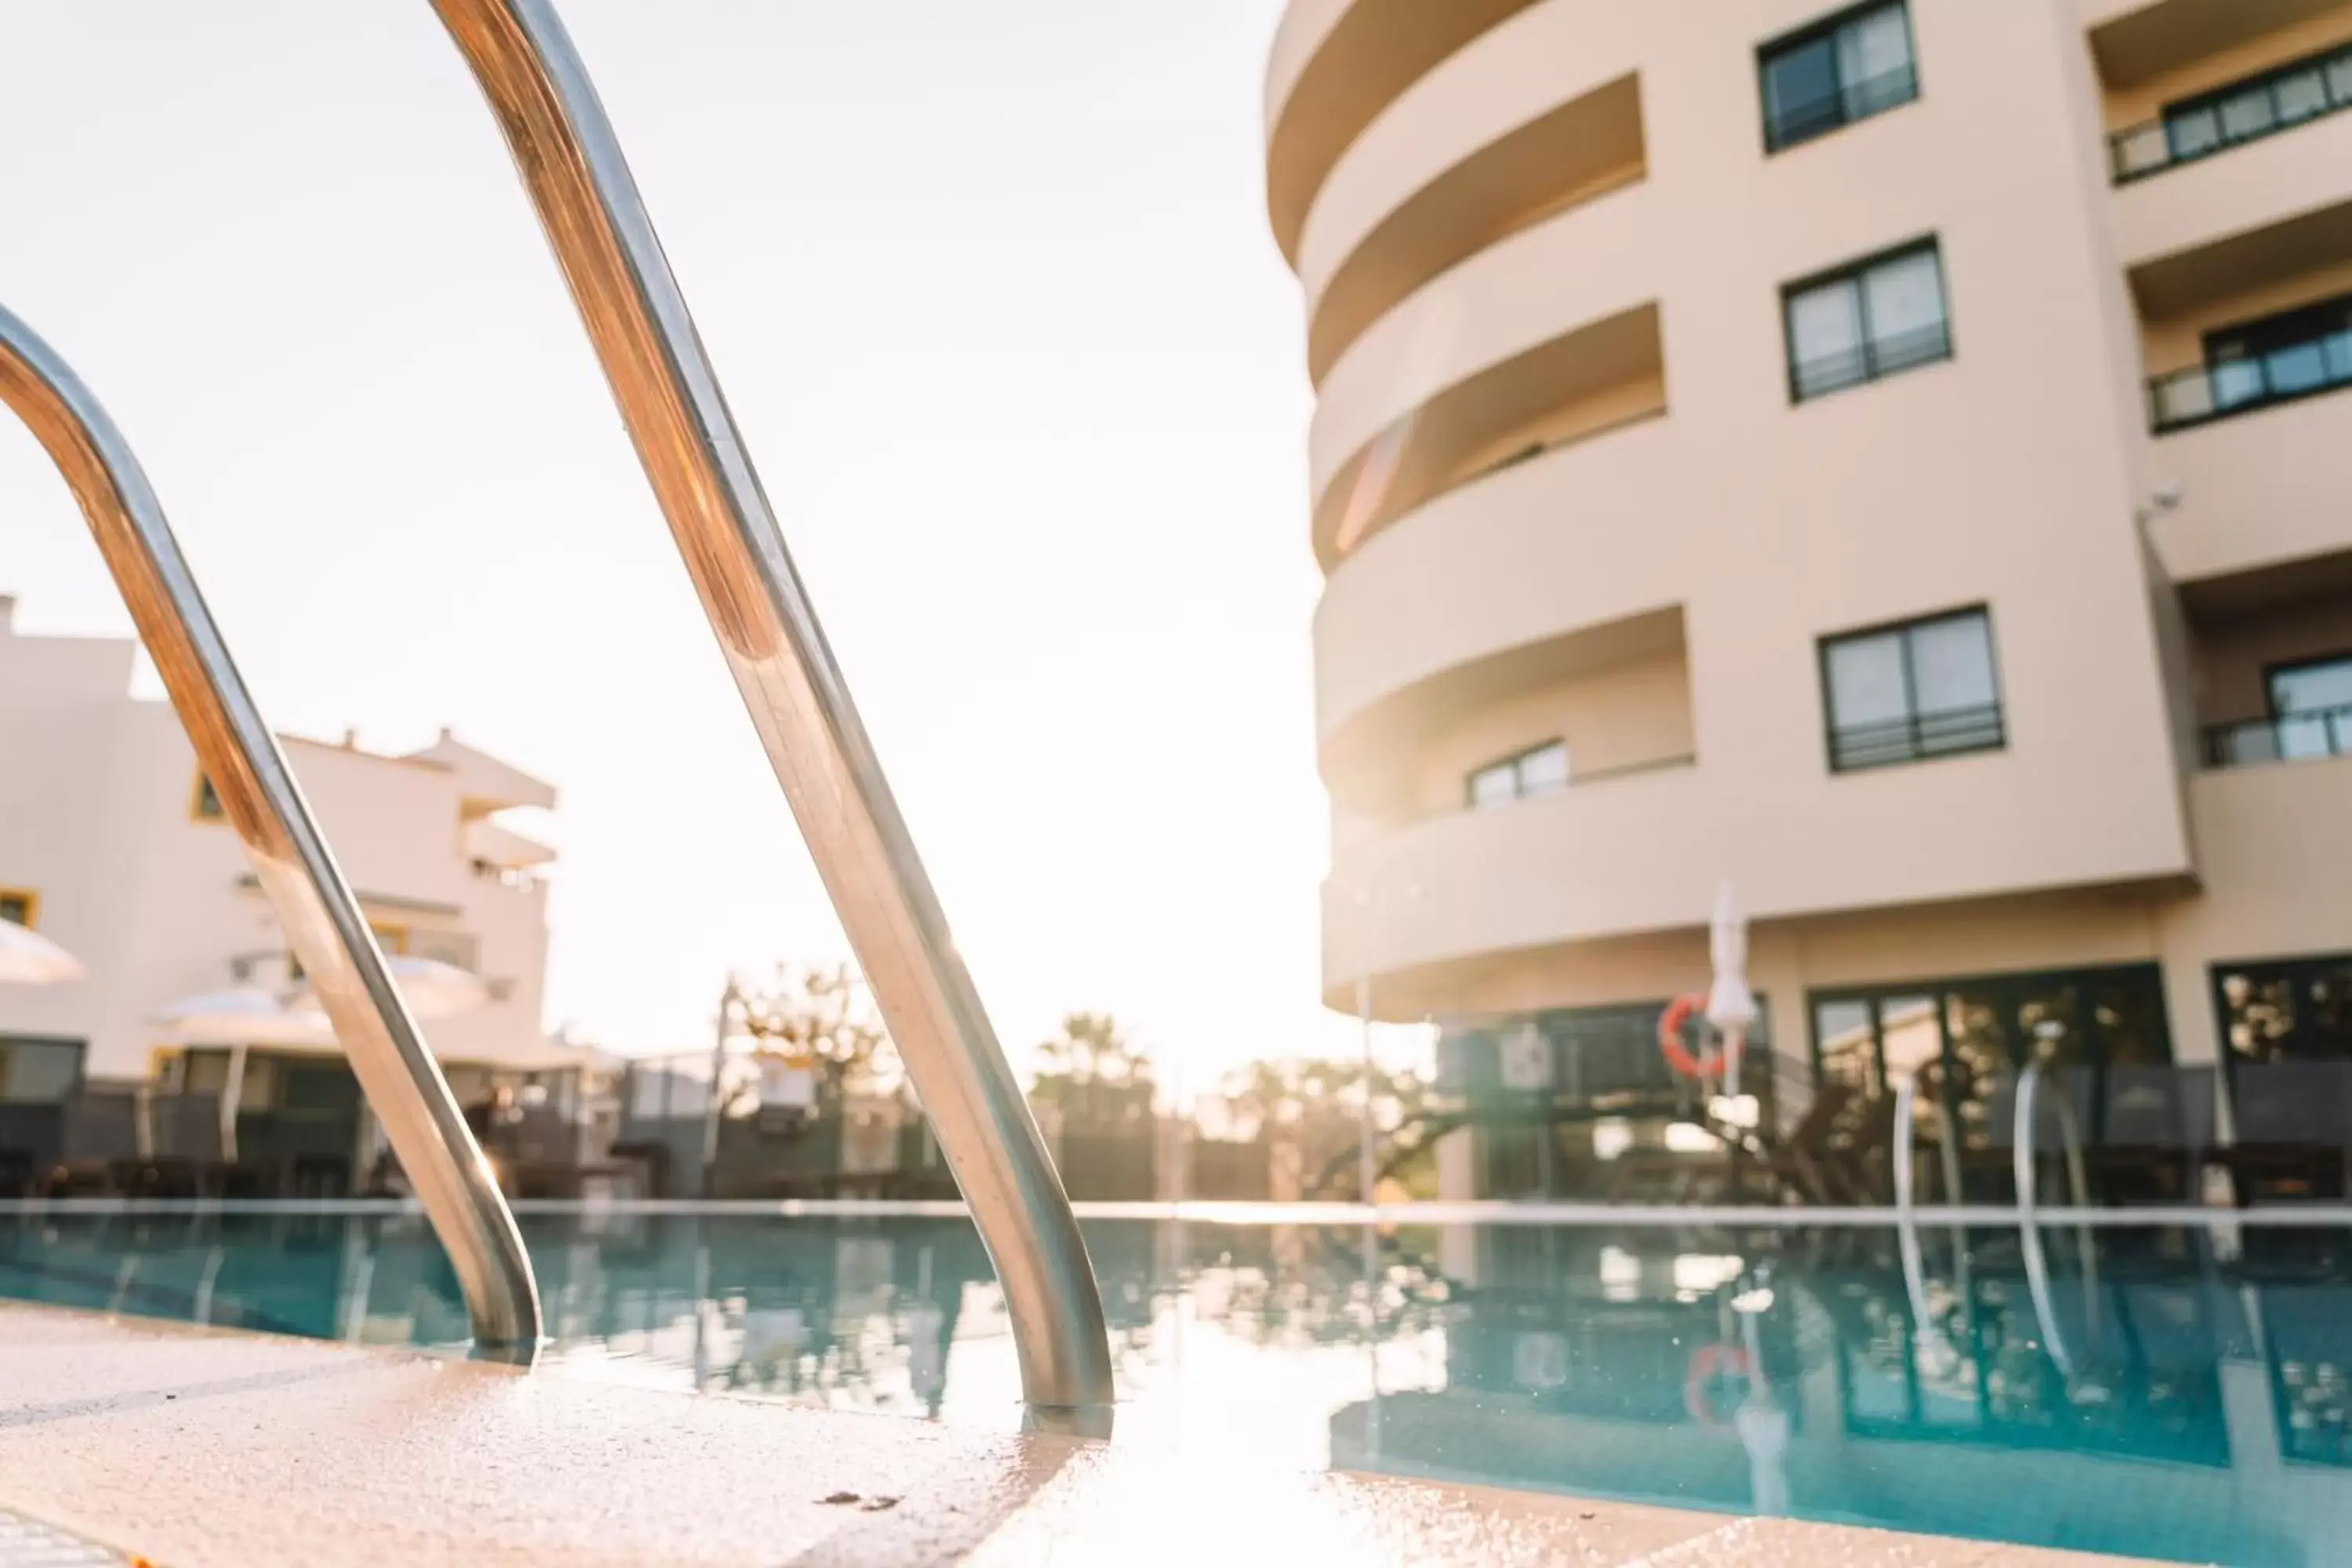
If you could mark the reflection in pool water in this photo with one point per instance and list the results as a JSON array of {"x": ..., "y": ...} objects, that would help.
[{"x": 2198, "y": 1409}]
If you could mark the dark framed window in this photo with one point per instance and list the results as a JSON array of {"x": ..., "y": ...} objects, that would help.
[
  {"x": 1539, "y": 770},
  {"x": 37, "y": 1069},
  {"x": 1964, "y": 1035},
  {"x": 1908, "y": 692},
  {"x": 2254, "y": 364},
  {"x": 318, "y": 1089},
  {"x": 20, "y": 905},
  {"x": 2286, "y": 1044},
  {"x": 2309, "y": 715},
  {"x": 1866, "y": 319},
  {"x": 205, "y": 804},
  {"x": 1835, "y": 71},
  {"x": 2246, "y": 110},
  {"x": 2285, "y": 1009}
]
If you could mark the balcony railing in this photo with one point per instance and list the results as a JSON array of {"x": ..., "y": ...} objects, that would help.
[
  {"x": 2208, "y": 392},
  {"x": 2285, "y": 738},
  {"x": 2261, "y": 106},
  {"x": 1815, "y": 117},
  {"x": 1917, "y": 737},
  {"x": 1868, "y": 361}
]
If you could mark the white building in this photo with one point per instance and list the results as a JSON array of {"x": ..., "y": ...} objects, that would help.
[{"x": 112, "y": 845}]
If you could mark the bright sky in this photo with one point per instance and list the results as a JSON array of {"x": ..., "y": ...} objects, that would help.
[{"x": 991, "y": 292}]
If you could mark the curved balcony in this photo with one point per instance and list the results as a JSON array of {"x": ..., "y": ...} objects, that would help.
[
  {"x": 1428, "y": 907},
  {"x": 1529, "y": 557},
  {"x": 1335, "y": 65},
  {"x": 1541, "y": 283},
  {"x": 1475, "y": 152},
  {"x": 1552, "y": 334},
  {"x": 1624, "y": 855}
]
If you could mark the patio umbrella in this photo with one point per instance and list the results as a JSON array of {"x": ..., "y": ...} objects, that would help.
[
  {"x": 432, "y": 988},
  {"x": 247, "y": 1015},
  {"x": 27, "y": 958}
]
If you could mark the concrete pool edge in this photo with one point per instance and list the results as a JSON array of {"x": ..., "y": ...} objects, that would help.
[{"x": 193, "y": 1446}]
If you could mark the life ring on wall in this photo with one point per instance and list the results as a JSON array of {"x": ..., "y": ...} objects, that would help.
[
  {"x": 1670, "y": 1040},
  {"x": 1708, "y": 1362}
]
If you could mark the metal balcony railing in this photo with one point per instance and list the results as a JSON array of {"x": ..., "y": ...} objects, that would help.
[
  {"x": 1868, "y": 361},
  {"x": 1917, "y": 737},
  {"x": 2259, "y": 106},
  {"x": 2208, "y": 392},
  {"x": 2283, "y": 737}
]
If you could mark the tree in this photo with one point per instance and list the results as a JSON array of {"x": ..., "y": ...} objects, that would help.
[
  {"x": 1316, "y": 1104},
  {"x": 1094, "y": 1074},
  {"x": 827, "y": 1014}
]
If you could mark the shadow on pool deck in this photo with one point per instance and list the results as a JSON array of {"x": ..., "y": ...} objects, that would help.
[{"x": 194, "y": 1446}]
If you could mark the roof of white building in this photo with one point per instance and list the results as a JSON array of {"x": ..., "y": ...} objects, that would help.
[{"x": 486, "y": 782}]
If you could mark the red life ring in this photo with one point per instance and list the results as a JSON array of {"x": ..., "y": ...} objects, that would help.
[
  {"x": 1670, "y": 1040},
  {"x": 1706, "y": 1364}
]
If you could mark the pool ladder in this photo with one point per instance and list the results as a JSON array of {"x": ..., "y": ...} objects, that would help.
[
  {"x": 669, "y": 396},
  {"x": 2025, "y": 1168}
]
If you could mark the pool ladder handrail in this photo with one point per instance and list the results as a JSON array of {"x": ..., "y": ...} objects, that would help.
[
  {"x": 702, "y": 473},
  {"x": 291, "y": 860},
  {"x": 2025, "y": 1167}
]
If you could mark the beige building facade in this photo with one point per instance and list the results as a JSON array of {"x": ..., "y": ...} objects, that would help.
[
  {"x": 112, "y": 846},
  {"x": 1895, "y": 457}
]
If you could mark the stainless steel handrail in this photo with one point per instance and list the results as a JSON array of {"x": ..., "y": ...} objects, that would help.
[
  {"x": 1948, "y": 1152},
  {"x": 1906, "y": 1226},
  {"x": 290, "y": 857},
  {"x": 2023, "y": 1168},
  {"x": 669, "y": 396}
]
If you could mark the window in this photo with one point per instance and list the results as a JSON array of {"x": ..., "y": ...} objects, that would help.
[
  {"x": 205, "y": 804},
  {"x": 1867, "y": 320},
  {"x": 1905, "y": 693},
  {"x": 1849, "y": 67},
  {"x": 20, "y": 905},
  {"x": 1967, "y": 1034},
  {"x": 2282, "y": 356},
  {"x": 2298, "y": 1010},
  {"x": 1538, "y": 772},
  {"x": 2312, "y": 687},
  {"x": 35, "y": 1070},
  {"x": 2254, "y": 364},
  {"x": 2311, "y": 710}
]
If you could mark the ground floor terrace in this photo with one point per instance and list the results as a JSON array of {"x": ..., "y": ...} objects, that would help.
[{"x": 2200, "y": 1059}]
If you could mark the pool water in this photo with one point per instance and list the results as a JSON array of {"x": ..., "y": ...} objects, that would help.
[{"x": 2173, "y": 1392}]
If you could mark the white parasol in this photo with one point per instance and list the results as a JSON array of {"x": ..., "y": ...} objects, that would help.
[
  {"x": 28, "y": 958},
  {"x": 432, "y": 988},
  {"x": 247, "y": 1015}
]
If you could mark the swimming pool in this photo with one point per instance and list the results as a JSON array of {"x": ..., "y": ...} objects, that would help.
[{"x": 2175, "y": 1392}]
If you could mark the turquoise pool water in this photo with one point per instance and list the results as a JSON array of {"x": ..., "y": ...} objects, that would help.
[{"x": 2174, "y": 1393}]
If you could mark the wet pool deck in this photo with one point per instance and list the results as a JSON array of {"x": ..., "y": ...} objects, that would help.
[{"x": 192, "y": 1446}]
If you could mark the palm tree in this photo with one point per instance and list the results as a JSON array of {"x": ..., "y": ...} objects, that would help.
[{"x": 1094, "y": 1074}]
